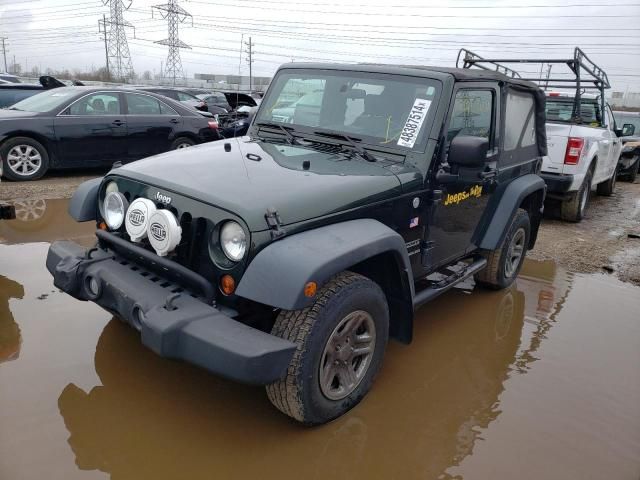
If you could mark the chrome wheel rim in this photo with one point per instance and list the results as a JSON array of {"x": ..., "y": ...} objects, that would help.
[
  {"x": 183, "y": 145},
  {"x": 347, "y": 355},
  {"x": 514, "y": 253},
  {"x": 24, "y": 160}
]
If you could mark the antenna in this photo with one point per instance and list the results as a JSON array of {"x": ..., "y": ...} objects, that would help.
[
  {"x": 118, "y": 56},
  {"x": 175, "y": 15}
]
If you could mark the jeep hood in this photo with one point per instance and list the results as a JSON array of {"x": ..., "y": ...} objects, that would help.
[{"x": 256, "y": 175}]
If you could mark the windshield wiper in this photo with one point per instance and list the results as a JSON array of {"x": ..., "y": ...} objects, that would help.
[
  {"x": 351, "y": 140},
  {"x": 290, "y": 138}
]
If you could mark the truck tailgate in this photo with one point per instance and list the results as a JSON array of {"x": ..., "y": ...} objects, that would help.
[{"x": 557, "y": 137}]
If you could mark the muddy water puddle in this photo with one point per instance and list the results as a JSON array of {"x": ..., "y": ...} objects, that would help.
[{"x": 540, "y": 381}]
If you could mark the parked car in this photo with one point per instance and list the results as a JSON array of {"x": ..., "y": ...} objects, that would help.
[
  {"x": 582, "y": 137},
  {"x": 288, "y": 260},
  {"x": 230, "y": 101},
  {"x": 181, "y": 96},
  {"x": 8, "y": 78},
  {"x": 309, "y": 103},
  {"x": 629, "y": 163},
  {"x": 11, "y": 92},
  {"x": 583, "y": 152},
  {"x": 88, "y": 127},
  {"x": 236, "y": 124}
]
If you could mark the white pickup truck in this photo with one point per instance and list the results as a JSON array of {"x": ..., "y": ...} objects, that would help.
[{"x": 583, "y": 152}]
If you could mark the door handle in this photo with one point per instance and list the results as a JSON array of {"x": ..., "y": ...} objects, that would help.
[
  {"x": 173, "y": 120},
  {"x": 117, "y": 123}
]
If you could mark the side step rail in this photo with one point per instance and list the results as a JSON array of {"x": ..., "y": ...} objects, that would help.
[{"x": 442, "y": 286}]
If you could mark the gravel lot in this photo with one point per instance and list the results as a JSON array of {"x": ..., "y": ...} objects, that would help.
[{"x": 603, "y": 241}]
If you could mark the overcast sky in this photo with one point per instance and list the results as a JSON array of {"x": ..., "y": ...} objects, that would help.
[{"x": 64, "y": 33}]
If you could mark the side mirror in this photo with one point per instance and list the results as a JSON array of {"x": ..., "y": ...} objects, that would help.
[
  {"x": 628, "y": 129},
  {"x": 465, "y": 151},
  {"x": 618, "y": 132}
]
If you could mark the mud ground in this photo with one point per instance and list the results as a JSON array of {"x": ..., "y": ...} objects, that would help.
[
  {"x": 54, "y": 185},
  {"x": 603, "y": 242}
]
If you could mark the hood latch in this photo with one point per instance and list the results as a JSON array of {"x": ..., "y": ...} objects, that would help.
[{"x": 275, "y": 223}]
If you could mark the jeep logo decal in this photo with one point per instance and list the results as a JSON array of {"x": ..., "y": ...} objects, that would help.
[
  {"x": 158, "y": 231},
  {"x": 136, "y": 217},
  {"x": 163, "y": 198}
]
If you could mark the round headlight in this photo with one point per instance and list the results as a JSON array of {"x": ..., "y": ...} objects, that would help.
[
  {"x": 114, "y": 207},
  {"x": 233, "y": 241},
  {"x": 111, "y": 187}
]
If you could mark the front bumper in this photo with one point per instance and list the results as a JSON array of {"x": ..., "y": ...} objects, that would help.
[{"x": 172, "y": 321}]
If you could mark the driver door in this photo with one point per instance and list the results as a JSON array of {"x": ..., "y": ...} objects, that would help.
[{"x": 461, "y": 199}]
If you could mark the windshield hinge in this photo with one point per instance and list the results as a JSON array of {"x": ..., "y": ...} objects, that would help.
[{"x": 275, "y": 223}]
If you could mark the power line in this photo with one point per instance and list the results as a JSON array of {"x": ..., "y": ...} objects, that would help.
[{"x": 405, "y": 15}]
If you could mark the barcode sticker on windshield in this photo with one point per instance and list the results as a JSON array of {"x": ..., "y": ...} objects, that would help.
[{"x": 414, "y": 122}]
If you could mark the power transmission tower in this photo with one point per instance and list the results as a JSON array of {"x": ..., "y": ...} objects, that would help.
[
  {"x": 249, "y": 45},
  {"x": 118, "y": 56},
  {"x": 175, "y": 15}
]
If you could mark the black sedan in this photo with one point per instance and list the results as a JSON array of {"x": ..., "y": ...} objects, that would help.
[{"x": 89, "y": 127}]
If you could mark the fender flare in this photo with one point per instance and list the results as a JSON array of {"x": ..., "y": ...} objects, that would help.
[
  {"x": 510, "y": 201},
  {"x": 83, "y": 205},
  {"x": 278, "y": 274}
]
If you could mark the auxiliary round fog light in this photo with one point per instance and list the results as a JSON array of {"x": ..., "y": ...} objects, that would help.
[
  {"x": 164, "y": 232},
  {"x": 138, "y": 216}
]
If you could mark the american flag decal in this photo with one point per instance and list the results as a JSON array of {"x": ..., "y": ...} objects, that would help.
[{"x": 414, "y": 222}]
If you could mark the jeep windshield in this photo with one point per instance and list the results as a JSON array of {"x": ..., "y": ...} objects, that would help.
[{"x": 379, "y": 109}]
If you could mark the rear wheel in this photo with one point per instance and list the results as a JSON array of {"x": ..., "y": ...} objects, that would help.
[
  {"x": 504, "y": 263},
  {"x": 182, "y": 142},
  {"x": 24, "y": 159},
  {"x": 573, "y": 210},
  {"x": 340, "y": 341},
  {"x": 606, "y": 188}
]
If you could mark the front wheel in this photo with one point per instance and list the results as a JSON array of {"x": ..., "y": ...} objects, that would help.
[
  {"x": 24, "y": 159},
  {"x": 504, "y": 263},
  {"x": 633, "y": 171},
  {"x": 182, "y": 142},
  {"x": 340, "y": 341},
  {"x": 606, "y": 188}
]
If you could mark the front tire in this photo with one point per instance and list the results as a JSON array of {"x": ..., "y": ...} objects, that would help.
[
  {"x": 341, "y": 340},
  {"x": 182, "y": 142},
  {"x": 504, "y": 263},
  {"x": 24, "y": 159},
  {"x": 607, "y": 188},
  {"x": 633, "y": 171}
]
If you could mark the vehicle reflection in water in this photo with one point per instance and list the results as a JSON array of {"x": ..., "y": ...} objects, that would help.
[
  {"x": 152, "y": 418},
  {"x": 39, "y": 220},
  {"x": 9, "y": 330}
]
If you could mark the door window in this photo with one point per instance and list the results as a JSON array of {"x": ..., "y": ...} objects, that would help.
[
  {"x": 145, "y": 105},
  {"x": 519, "y": 123},
  {"x": 610, "y": 119},
  {"x": 97, "y": 104},
  {"x": 183, "y": 97},
  {"x": 472, "y": 114}
]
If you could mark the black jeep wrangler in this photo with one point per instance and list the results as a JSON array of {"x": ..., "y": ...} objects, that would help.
[{"x": 288, "y": 257}]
